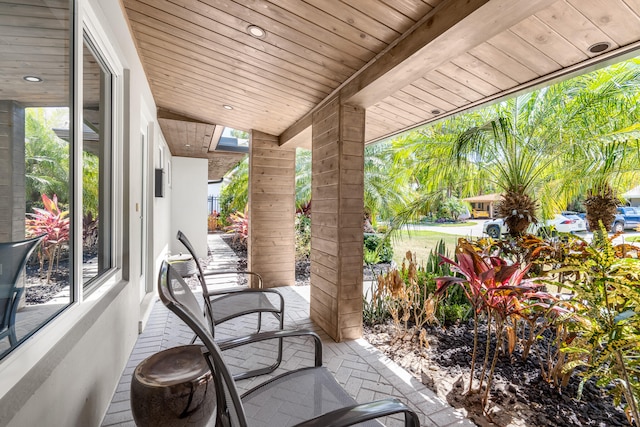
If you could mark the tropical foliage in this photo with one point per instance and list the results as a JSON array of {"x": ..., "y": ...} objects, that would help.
[
  {"x": 46, "y": 156},
  {"x": 379, "y": 246},
  {"x": 595, "y": 327},
  {"x": 606, "y": 319},
  {"x": 575, "y": 140},
  {"x": 53, "y": 223},
  {"x": 408, "y": 295},
  {"x": 239, "y": 226},
  {"x": 235, "y": 193},
  {"x": 303, "y": 236}
]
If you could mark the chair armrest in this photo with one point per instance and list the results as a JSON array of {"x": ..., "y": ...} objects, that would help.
[
  {"x": 235, "y": 290},
  {"x": 355, "y": 414},
  {"x": 216, "y": 273},
  {"x": 271, "y": 335}
]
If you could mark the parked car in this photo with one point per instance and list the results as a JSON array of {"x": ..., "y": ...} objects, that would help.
[
  {"x": 627, "y": 218},
  {"x": 559, "y": 223}
]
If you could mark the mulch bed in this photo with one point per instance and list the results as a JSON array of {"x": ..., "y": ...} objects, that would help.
[{"x": 519, "y": 397}]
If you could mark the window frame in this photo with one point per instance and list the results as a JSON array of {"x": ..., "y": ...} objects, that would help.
[
  {"x": 90, "y": 30},
  {"x": 54, "y": 336}
]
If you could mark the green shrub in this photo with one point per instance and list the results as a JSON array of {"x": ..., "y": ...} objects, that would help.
[
  {"x": 303, "y": 236},
  {"x": 407, "y": 294},
  {"x": 376, "y": 243},
  {"x": 375, "y": 308},
  {"x": 371, "y": 257}
]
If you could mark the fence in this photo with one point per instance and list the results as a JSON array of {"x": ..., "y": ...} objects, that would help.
[{"x": 214, "y": 204}]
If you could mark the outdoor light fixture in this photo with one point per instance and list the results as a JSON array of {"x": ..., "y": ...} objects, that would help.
[
  {"x": 32, "y": 79},
  {"x": 599, "y": 47},
  {"x": 257, "y": 32},
  {"x": 227, "y": 107},
  {"x": 436, "y": 112}
]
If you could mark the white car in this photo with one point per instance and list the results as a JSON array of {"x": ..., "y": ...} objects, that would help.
[{"x": 559, "y": 223}]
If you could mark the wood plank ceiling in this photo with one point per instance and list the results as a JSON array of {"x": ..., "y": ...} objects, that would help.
[
  {"x": 408, "y": 62},
  {"x": 34, "y": 40},
  {"x": 199, "y": 56}
]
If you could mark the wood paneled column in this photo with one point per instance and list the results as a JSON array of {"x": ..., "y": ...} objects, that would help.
[
  {"x": 12, "y": 170},
  {"x": 271, "y": 246},
  {"x": 337, "y": 210}
]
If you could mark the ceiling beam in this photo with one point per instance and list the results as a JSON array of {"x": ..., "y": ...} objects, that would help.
[
  {"x": 215, "y": 138},
  {"x": 299, "y": 134},
  {"x": 167, "y": 114},
  {"x": 450, "y": 29}
]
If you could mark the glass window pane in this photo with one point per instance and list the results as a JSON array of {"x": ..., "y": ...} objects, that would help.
[
  {"x": 34, "y": 165},
  {"x": 96, "y": 160}
]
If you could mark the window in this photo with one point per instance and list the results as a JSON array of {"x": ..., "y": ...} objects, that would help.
[
  {"x": 96, "y": 165},
  {"x": 35, "y": 162},
  {"x": 39, "y": 188}
]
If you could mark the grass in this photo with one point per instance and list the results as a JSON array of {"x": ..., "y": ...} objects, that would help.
[
  {"x": 421, "y": 242},
  {"x": 449, "y": 224}
]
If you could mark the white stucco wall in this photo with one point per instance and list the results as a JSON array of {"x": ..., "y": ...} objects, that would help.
[
  {"x": 66, "y": 374},
  {"x": 189, "y": 203},
  {"x": 214, "y": 189}
]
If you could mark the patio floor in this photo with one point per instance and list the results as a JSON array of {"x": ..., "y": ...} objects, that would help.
[{"x": 360, "y": 368}]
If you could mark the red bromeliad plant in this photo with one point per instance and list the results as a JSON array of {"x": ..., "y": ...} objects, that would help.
[
  {"x": 496, "y": 289},
  {"x": 54, "y": 224},
  {"x": 239, "y": 225},
  {"x": 213, "y": 221}
]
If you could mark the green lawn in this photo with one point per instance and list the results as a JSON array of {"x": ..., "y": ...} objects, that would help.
[
  {"x": 421, "y": 242},
  {"x": 449, "y": 224}
]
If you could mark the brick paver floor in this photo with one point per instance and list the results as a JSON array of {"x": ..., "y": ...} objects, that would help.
[{"x": 359, "y": 367}]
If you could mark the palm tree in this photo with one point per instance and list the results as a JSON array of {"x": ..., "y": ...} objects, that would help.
[
  {"x": 46, "y": 156},
  {"x": 604, "y": 152},
  {"x": 234, "y": 194},
  {"x": 558, "y": 143},
  {"x": 514, "y": 149},
  {"x": 386, "y": 190},
  {"x": 303, "y": 179},
  {"x": 421, "y": 159}
]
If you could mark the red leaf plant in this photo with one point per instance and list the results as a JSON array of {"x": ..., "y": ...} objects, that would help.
[
  {"x": 239, "y": 225},
  {"x": 501, "y": 292},
  {"x": 54, "y": 224}
]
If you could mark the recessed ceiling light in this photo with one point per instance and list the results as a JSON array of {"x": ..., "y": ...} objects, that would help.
[
  {"x": 435, "y": 112},
  {"x": 32, "y": 79},
  {"x": 187, "y": 145},
  {"x": 257, "y": 32},
  {"x": 599, "y": 47},
  {"x": 227, "y": 107}
]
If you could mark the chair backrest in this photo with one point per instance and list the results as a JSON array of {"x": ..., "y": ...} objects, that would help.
[
  {"x": 13, "y": 257},
  {"x": 178, "y": 298},
  {"x": 208, "y": 310}
]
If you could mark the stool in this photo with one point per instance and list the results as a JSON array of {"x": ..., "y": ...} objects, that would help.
[
  {"x": 173, "y": 387},
  {"x": 183, "y": 264}
]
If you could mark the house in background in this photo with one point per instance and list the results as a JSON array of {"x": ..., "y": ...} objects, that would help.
[
  {"x": 633, "y": 196},
  {"x": 483, "y": 206},
  {"x": 158, "y": 81}
]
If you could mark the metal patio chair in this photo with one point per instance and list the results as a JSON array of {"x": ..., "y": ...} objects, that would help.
[
  {"x": 229, "y": 303},
  {"x": 307, "y": 396},
  {"x": 225, "y": 304},
  {"x": 13, "y": 258}
]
